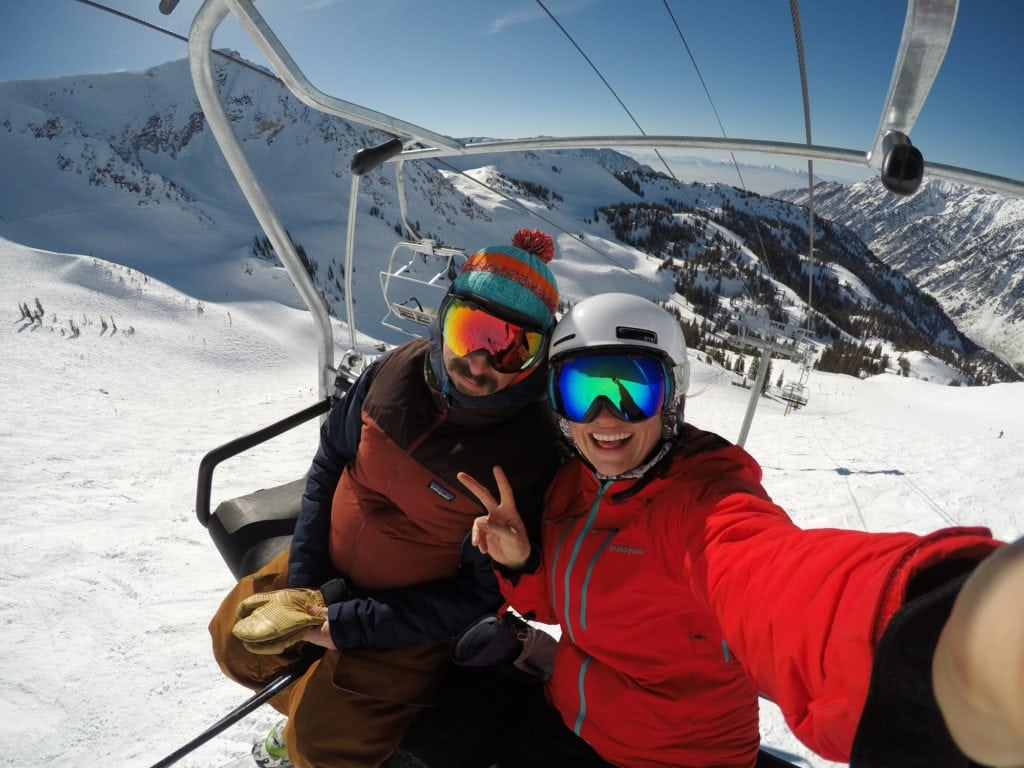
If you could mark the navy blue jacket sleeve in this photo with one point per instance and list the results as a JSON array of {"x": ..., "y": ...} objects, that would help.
[
  {"x": 437, "y": 610},
  {"x": 309, "y": 561}
]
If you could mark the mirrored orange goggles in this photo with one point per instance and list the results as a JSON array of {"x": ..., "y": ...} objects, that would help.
[{"x": 468, "y": 327}]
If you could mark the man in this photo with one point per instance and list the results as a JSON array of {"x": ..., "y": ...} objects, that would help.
[{"x": 384, "y": 522}]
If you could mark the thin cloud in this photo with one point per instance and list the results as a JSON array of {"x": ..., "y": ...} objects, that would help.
[
  {"x": 524, "y": 16},
  {"x": 317, "y": 5}
]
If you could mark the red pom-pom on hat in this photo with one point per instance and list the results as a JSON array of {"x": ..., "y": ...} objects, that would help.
[{"x": 536, "y": 242}]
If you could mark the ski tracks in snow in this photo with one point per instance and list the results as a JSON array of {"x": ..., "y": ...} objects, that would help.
[{"x": 902, "y": 463}]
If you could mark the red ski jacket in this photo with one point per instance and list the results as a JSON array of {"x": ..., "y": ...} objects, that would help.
[{"x": 681, "y": 600}]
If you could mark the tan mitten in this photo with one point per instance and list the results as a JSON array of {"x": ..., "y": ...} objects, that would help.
[
  {"x": 274, "y": 647},
  {"x": 271, "y": 621}
]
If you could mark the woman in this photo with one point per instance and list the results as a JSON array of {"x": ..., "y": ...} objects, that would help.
[{"x": 683, "y": 592}]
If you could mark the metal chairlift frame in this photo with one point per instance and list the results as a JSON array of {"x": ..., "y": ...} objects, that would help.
[{"x": 928, "y": 28}]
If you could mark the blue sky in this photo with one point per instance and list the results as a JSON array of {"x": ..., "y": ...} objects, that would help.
[{"x": 505, "y": 69}]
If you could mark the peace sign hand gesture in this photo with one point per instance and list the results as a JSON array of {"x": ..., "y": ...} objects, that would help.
[{"x": 500, "y": 533}]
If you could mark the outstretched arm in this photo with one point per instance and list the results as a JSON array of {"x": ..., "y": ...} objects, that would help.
[{"x": 978, "y": 667}]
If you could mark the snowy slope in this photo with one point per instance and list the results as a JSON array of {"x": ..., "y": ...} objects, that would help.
[{"x": 109, "y": 581}]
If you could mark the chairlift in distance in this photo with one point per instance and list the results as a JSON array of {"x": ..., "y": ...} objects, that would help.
[
  {"x": 413, "y": 299},
  {"x": 760, "y": 332},
  {"x": 794, "y": 393}
]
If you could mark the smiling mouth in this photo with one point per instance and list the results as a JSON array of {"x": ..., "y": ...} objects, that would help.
[{"x": 607, "y": 442}]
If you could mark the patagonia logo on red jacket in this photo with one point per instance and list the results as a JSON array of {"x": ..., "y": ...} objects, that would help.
[
  {"x": 441, "y": 491},
  {"x": 627, "y": 550}
]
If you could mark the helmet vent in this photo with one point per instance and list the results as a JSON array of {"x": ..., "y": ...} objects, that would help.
[
  {"x": 636, "y": 334},
  {"x": 562, "y": 340}
]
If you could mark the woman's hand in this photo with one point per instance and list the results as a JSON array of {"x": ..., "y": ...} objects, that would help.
[
  {"x": 978, "y": 667},
  {"x": 500, "y": 533}
]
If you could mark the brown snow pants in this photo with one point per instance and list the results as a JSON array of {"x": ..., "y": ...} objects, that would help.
[{"x": 352, "y": 708}]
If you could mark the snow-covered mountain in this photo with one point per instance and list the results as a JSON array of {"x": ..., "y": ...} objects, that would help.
[
  {"x": 133, "y": 151},
  {"x": 963, "y": 245}
]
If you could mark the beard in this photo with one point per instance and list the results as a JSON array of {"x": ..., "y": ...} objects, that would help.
[{"x": 486, "y": 382}]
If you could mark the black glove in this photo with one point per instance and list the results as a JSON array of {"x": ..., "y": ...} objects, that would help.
[{"x": 509, "y": 644}]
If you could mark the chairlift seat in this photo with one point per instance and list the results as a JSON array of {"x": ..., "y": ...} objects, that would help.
[
  {"x": 409, "y": 296},
  {"x": 795, "y": 394},
  {"x": 420, "y": 316},
  {"x": 251, "y": 530}
]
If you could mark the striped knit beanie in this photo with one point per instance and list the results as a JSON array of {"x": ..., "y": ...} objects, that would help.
[{"x": 514, "y": 276}]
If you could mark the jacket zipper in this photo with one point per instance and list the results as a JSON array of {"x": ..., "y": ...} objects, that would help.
[{"x": 587, "y": 525}]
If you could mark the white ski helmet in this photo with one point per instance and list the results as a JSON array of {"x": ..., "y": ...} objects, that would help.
[{"x": 620, "y": 321}]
